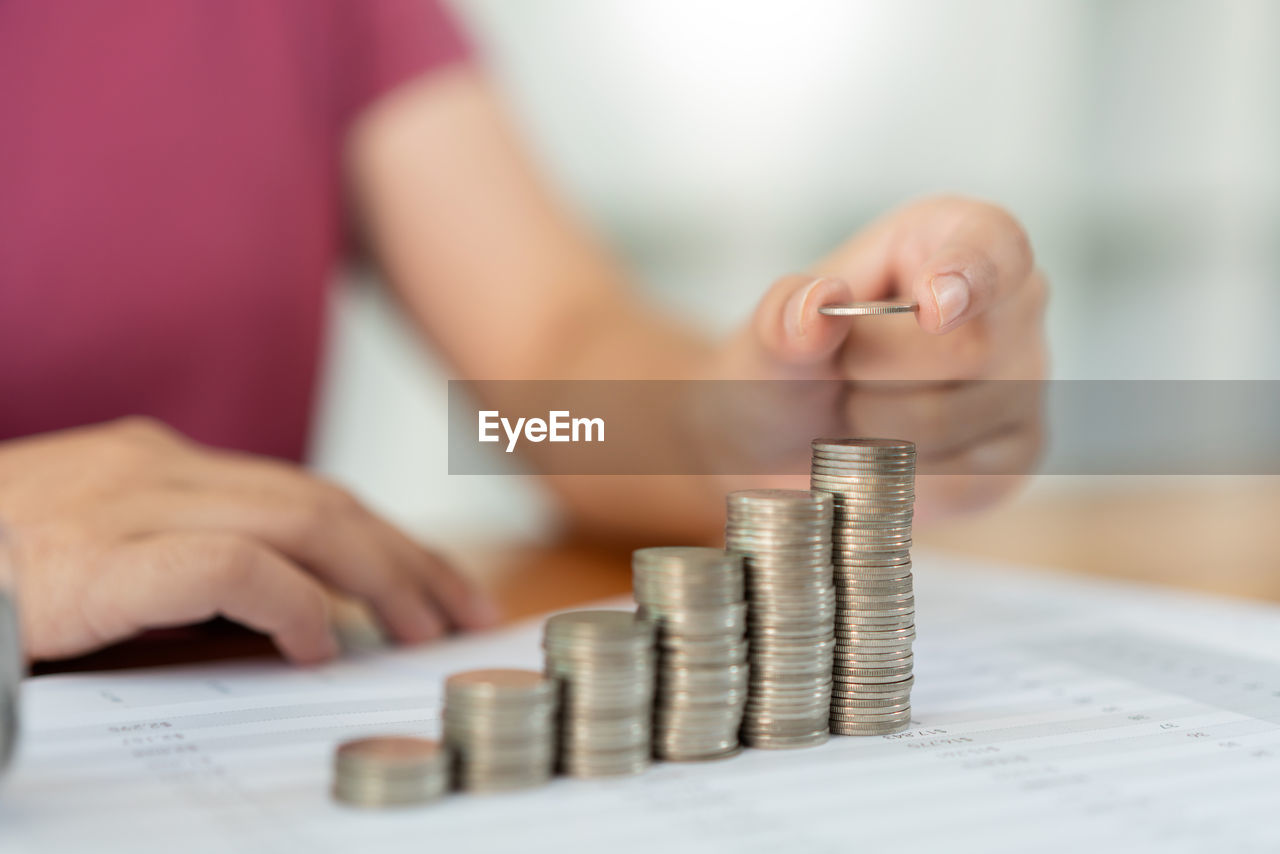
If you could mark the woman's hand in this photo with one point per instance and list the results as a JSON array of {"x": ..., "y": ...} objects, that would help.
[
  {"x": 980, "y": 321},
  {"x": 441, "y": 178},
  {"x": 128, "y": 526}
]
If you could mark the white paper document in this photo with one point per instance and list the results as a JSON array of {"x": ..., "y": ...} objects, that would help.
[{"x": 1050, "y": 713}]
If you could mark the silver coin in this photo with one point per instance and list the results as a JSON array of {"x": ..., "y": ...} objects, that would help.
[
  {"x": 870, "y": 563},
  {"x": 859, "y": 657},
  {"x": 864, "y": 576},
  {"x": 865, "y": 492},
  {"x": 878, "y": 525},
  {"x": 856, "y": 606},
  {"x": 499, "y": 685},
  {"x": 873, "y": 670},
  {"x": 786, "y": 742},
  {"x": 755, "y": 545},
  {"x": 898, "y": 609},
  {"x": 788, "y": 498},
  {"x": 843, "y": 694},
  {"x": 708, "y": 648},
  {"x": 390, "y": 756},
  {"x": 854, "y": 545},
  {"x": 847, "y": 635},
  {"x": 906, "y": 623},
  {"x": 856, "y": 476},
  {"x": 864, "y": 543},
  {"x": 850, "y": 611},
  {"x": 853, "y": 485},
  {"x": 842, "y": 575},
  {"x": 862, "y": 464},
  {"x": 846, "y": 648},
  {"x": 844, "y": 728},
  {"x": 881, "y": 529},
  {"x": 690, "y": 558},
  {"x": 872, "y": 620},
  {"x": 858, "y": 585},
  {"x": 848, "y": 675},
  {"x": 901, "y": 701},
  {"x": 389, "y": 771},
  {"x": 870, "y": 687},
  {"x": 857, "y": 465},
  {"x": 879, "y": 604},
  {"x": 857, "y": 536},
  {"x": 861, "y": 444},
  {"x": 791, "y": 499},
  {"x": 872, "y": 716},
  {"x": 852, "y": 667},
  {"x": 598, "y": 625}
]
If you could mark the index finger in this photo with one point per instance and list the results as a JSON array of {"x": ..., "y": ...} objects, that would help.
[
  {"x": 175, "y": 579},
  {"x": 955, "y": 257}
]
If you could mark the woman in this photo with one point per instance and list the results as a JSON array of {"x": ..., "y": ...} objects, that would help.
[{"x": 180, "y": 178}]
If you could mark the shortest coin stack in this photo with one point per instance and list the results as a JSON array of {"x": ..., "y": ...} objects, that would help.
[
  {"x": 500, "y": 725},
  {"x": 604, "y": 662},
  {"x": 696, "y": 597},
  {"x": 390, "y": 771}
]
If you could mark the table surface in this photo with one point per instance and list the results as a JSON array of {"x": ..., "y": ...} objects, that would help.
[{"x": 1220, "y": 536}]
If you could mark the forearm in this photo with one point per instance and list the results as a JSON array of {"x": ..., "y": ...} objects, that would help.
[
  {"x": 625, "y": 341},
  {"x": 508, "y": 285}
]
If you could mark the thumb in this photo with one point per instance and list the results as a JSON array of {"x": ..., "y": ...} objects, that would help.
[{"x": 787, "y": 327}]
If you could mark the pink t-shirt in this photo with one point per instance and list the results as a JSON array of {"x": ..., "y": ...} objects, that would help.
[{"x": 171, "y": 203}]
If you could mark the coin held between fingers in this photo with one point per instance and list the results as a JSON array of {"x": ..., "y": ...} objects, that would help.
[{"x": 866, "y": 309}]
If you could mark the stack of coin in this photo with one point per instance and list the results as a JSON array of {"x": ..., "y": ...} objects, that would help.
[
  {"x": 695, "y": 597},
  {"x": 500, "y": 725},
  {"x": 605, "y": 664},
  {"x": 390, "y": 771},
  {"x": 873, "y": 484},
  {"x": 784, "y": 537}
]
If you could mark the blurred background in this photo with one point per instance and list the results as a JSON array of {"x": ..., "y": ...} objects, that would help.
[{"x": 715, "y": 144}]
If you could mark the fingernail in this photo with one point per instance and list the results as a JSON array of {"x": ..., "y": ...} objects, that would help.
[
  {"x": 794, "y": 316},
  {"x": 951, "y": 293}
]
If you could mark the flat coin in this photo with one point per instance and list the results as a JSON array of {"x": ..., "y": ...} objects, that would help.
[
  {"x": 861, "y": 443},
  {"x": 843, "y": 728},
  {"x": 577, "y": 626},
  {"x": 389, "y": 752},
  {"x": 493, "y": 684},
  {"x": 766, "y": 742}
]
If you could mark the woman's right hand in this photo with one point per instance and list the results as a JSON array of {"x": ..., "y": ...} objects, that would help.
[{"x": 129, "y": 526}]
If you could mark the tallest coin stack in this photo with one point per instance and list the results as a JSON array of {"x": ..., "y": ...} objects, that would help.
[{"x": 873, "y": 484}]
